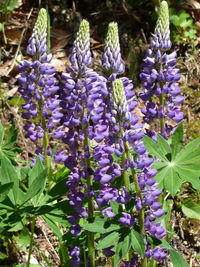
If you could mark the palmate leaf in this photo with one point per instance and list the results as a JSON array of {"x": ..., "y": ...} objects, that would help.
[
  {"x": 175, "y": 165},
  {"x": 108, "y": 240},
  {"x": 7, "y": 144},
  {"x": 191, "y": 210}
]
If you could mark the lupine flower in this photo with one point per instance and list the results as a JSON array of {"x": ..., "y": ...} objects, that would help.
[
  {"x": 38, "y": 84},
  {"x": 160, "y": 78},
  {"x": 112, "y": 60},
  {"x": 161, "y": 36},
  {"x": 124, "y": 128},
  {"x": 126, "y": 219},
  {"x": 132, "y": 134},
  {"x": 74, "y": 253},
  {"x": 81, "y": 54},
  {"x": 82, "y": 96}
]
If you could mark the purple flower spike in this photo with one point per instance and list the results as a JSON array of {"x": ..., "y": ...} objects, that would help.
[
  {"x": 161, "y": 36},
  {"x": 111, "y": 59},
  {"x": 160, "y": 78},
  {"x": 81, "y": 57},
  {"x": 38, "y": 85}
]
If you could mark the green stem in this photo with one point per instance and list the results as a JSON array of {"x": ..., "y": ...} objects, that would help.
[
  {"x": 45, "y": 140},
  {"x": 137, "y": 189},
  {"x": 138, "y": 193},
  {"x": 162, "y": 120},
  {"x": 125, "y": 174},
  {"x": 91, "y": 248},
  {"x": 31, "y": 241},
  {"x": 37, "y": 247},
  {"x": 64, "y": 253},
  {"x": 152, "y": 263}
]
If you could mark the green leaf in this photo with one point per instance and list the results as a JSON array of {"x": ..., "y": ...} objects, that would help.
[
  {"x": 177, "y": 138},
  {"x": 8, "y": 174},
  {"x": 2, "y": 26},
  {"x": 118, "y": 253},
  {"x": 122, "y": 247},
  {"x": 36, "y": 188},
  {"x": 126, "y": 243},
  {"x": 1, "y": 133},
  {"x": 7, "y": 148},
  {"x": 177, "y": 259},
  {"x": 108, "y": 240},
  {"x": 161, "y": 176},
  {"x": 53, "y": 226},
  {"x": 137, "y": 243},
  {"x": 12, "y": 4},
  {"x": 190, "y": 153},
  {"x": 190, "y": 173},
  {"x": 174, "y": 167},
  {"x": 154, "y": 148},
  {"x": 101, "y": 226},
  {"x": 115, "y": 206},
  {"x": 3, "y": 256},
  {"x": 59, "y": 190},
  {"x": 35, "y": 171},
  {"x": 163, "y": 145},
  {"x": 186, "y": 23},
  {"x": 191, "y": 210},
  {"x": 12, "y": 137},
  {"x": 172, "y": 181},
  {"x": 4, "y": 189}
]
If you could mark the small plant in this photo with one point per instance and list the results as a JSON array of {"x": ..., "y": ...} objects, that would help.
[
  {"x": 184, "y": 29},
  {"x": 6, "y": 7}
]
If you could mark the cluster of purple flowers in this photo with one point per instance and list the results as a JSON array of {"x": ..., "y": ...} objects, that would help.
[
  {"x": 39, "y": 85},
  {"x": 94, "y": 116},
  {"x": 160, "y": 79}
]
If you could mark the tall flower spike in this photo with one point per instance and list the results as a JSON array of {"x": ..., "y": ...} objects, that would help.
[
  {"x": 38, "y": 42},
  {"x": 161, "y": 36},
  {"x": 119, "y": 98},
  {"x": 39, "y": 86},
  {"x": 81, "y": 55},
  {"x": 112, "y": 60}
]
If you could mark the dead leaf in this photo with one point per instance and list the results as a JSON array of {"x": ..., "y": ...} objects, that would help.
[
  {"x": 60, "y": 38},
  {"x": 5, "y": 67},
  {"x": 195, "y": 9},
  {"x": 194, "y": 3},
  {"x": 13, "y": 36},
  {"x": 60, "y": 64}
]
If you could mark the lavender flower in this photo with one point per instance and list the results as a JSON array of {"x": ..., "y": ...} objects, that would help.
[
  {"x": 160, "y": 78},
  {"x": 161, "y": 37},
  {"x": 74, "y": 253},
  {"x": 130, "y": 133},
  {"x": 39, "y": 86},
  {"x": 81, "y": 54},
  {"x": 111, "y": 59}
]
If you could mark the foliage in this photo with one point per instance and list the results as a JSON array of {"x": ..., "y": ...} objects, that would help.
[
  {"x": 175, "y": 166},
  {"x": 184, "y": 28}
]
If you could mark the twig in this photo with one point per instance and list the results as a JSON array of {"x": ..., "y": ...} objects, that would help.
[
  {"x": 20, "y": 42},
  {"x": 45, "y": 235}
]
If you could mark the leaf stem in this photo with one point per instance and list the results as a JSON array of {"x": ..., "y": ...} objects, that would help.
[
  {"x": 91, "y": 248},
  {"x": 31, "y": 240}
]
